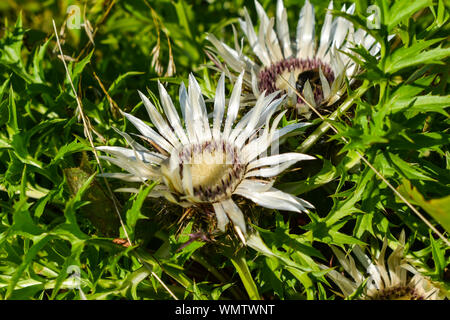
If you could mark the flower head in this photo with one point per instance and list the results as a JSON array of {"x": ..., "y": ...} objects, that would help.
[
  {"x": 393, "y": 282},
  {"x": 201, "y": 164},
  {"x": 290, "y": 66}
]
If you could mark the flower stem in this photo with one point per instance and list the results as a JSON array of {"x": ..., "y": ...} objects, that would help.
[{"x": 240, "y": 264}]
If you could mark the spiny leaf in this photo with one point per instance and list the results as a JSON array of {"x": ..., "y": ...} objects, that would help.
[
  {"x": 38, "y": 244},
  {"x": 414, "y": 55},
  {"x": 134, "y": 213},
  {"x": 403, "y": 9},
  {"x": 437, "y": 208}
]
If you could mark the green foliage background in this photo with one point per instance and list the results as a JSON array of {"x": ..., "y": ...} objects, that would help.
[{"x": 54, "y": 212}]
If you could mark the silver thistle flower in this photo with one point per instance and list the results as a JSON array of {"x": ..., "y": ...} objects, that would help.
[
  {"x": 201, "y": 164},
  {"x": 319, "y": 75},
  {"x": 393, "y": 282}
]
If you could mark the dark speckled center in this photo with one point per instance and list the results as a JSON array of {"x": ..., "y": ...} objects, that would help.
[{"x": 303, "y": 69}]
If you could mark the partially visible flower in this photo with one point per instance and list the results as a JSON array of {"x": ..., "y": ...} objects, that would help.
[
  {"x": 319, "y": 74},
  {"x": 199, "y": 165},
  {"x": 391, "y": 282}
]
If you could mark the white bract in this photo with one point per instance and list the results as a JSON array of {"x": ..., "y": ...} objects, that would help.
[
  {"x": 393, "y": 282},
  {"x": 316, "y": 72},
  {"x": 199, "y": 163}
]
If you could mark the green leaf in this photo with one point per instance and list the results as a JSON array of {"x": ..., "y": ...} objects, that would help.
[
  {"x": 38, "y": 70},
  {"x": 442, "y": 14},
  {"x": 217, "y": 292},
  {"x": 326, "y": 175},
  {"x": 437, "y": 208},
  {"x": 68, "y": 149},
  {"x": 240, "y": 263},
  {"x": 23, "y": 224},
  {"x": 72, "y": 260},
  {"x": 133, "y": 280},
  {"x": 183, "y": 11},
  {"x": 364, "y": 223},
  {"x": 414, "y": 55},
  {"x": 114, "y": 87},
  {"x": 359, "y": 291},
  {"x": 438, "y": 257},
  {"x": 4, "y": 105},
  {"x": 403, "y": 9},
  {"x": 347, "y": 206},
  {"x": 405, "y": 169},
  {"x": 134, "y": 213},
  {"x": 342, "y": 238},
  {"x": 19, "y": 143},
  {"x": 100, "y": 210},
  {"x": 428, "y": 103},
  {"x": 13, "y": 123},
  {"x": 79, "y": 67},
  {"x": 70, "y": 228},
  {"x": 12, "y": 46},
  {"x": 38, "y": 244}
]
